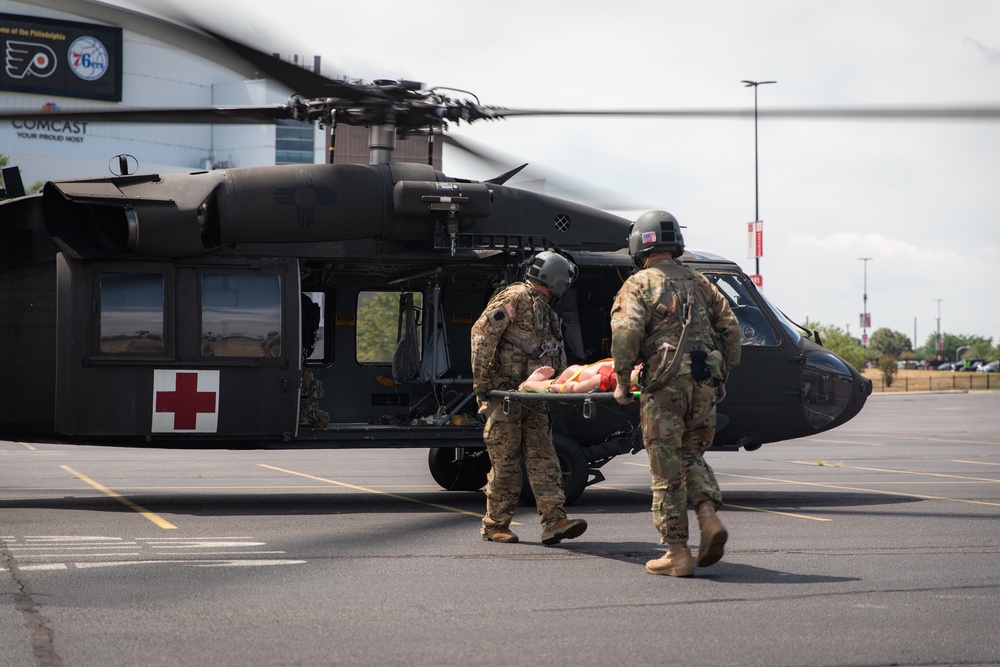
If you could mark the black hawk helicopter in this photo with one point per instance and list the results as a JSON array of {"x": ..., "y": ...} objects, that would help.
[{"x": 331, "y": 305}]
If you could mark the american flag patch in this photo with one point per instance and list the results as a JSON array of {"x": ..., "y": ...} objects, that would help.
[
  {"x": 510, "y": 310},
  {"x": 649, "y": 237}
]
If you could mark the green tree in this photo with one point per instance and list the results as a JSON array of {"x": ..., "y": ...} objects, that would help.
[
  {"x": 378, "y": 325},
  {"x": 887, "y": 367},
  {"x": 977, "y": 347},
  {"x": 885, "y": 341},
  {"x": 840, "y": 343}
]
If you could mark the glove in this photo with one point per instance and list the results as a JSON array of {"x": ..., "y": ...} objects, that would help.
[{"x": 623, "y": 395}]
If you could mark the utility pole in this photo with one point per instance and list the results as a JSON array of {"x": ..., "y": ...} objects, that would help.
[
  {"x": 756, "y": 179},
  {"x": 864, "y": 312},
  {"x": 939, "y": 345}
]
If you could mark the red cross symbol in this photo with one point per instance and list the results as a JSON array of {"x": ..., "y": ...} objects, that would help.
[{"x": 186, "y": 402}]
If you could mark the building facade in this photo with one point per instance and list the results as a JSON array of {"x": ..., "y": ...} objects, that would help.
[{"x": 82, "y": 54}]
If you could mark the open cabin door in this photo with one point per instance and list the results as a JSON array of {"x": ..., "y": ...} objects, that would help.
[{"x": 169, "y": 351}]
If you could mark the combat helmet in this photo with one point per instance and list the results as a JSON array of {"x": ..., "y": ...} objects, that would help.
[
  {"x": 551, "y": 270},
  {"x": 655, "y": 230}
]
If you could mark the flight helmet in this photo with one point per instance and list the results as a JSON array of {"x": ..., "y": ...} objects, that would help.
[
  {"x": 551, "y": 270},
  {"x": 655, "y": 230}
]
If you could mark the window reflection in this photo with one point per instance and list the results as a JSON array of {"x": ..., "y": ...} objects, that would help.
[
  {"x": 131, "y": 317},
  {"x": 240, "y": 315},
  {"x": 754, "y": 325},
  {"x": 828, "y": 385},
  {"x": 319, "y": 345}
]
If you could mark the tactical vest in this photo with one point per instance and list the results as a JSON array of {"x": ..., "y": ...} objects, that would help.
[
  {"x": 662, "y": 360},
  {"x": 546, "y": 337}
]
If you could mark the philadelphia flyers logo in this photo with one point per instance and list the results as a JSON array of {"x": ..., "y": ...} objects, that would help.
[{"x": 24, "y": 58}]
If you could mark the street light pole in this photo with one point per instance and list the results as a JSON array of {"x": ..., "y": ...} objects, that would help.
[
  {"x": 864, "y": 312},
  {"x": 756, "y": 181},
  {"x": 939, "y": 348}
]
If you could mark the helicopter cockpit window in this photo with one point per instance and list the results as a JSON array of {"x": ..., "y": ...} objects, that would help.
[
  {"x": 756, "y": 329},
  {"x": 791, "y": 329},
  {"x": 383, "y": 321},
  {"x": 131, "y": 317},
  {"x": 240, "y": 315}
]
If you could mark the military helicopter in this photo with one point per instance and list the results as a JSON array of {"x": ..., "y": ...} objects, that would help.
[{"x": 331, "y": 305}]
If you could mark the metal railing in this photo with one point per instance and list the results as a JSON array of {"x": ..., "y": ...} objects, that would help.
[{"x": 937, "y": 381}]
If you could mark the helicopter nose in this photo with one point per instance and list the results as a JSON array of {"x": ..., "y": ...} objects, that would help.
[{"x": 834, "y": 391}]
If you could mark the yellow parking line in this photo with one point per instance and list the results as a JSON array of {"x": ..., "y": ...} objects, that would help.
[
  {"x": 742, "y": 507},
  {"x": 155, "y": 518},
  {"x": 962, "y": 439},
  {"x": 827, "y": 441},
  {"x": 447, "y": 508},
  {"x": 979, "y": 463},
  {"x": 861, "y": 489},
  {"x": 789, "y": 514},
  {"x": 908, "y": 472},
  {"x": 27, "y": 446}
]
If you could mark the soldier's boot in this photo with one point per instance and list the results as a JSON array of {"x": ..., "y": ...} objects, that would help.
[
  {"x": 499, "y": 534},
  {"x": 676, "y": 562},
  {"x": 713, "y": 536},
  {"x": 563, "y": 529}
]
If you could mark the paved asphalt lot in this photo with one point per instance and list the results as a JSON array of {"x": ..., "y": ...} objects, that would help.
[{"x": 875, "y": 544}]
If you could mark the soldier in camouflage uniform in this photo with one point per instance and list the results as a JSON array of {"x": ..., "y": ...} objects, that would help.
[
  {"x": 679, "y": 324},
  {"x": 516, "y": 334}
]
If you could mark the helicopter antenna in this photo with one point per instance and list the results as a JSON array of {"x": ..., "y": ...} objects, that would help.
[{"x": 124, "y": 162}]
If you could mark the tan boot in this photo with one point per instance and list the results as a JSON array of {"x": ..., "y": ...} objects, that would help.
[
  {"x": 563, "y": 529},
  {"x": 499, "y": 534},
  {"x": 675, "y": 563},
  {"x": 713, "y": 536}
]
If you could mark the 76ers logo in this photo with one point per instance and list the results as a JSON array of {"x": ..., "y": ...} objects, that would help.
[
  {"x": 29, "y": 58},
  {"x": 88, "y": 58}
]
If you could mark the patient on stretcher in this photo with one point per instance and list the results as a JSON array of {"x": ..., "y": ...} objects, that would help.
[{"x": 577, "y": 379}]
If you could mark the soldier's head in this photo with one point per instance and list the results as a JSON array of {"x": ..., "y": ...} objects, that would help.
[
  {"x": 654, "y": 231},
  {"x": 552, "y": 271}
]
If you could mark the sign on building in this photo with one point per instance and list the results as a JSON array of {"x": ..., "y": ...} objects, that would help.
[{"x": 65, "y": 58}]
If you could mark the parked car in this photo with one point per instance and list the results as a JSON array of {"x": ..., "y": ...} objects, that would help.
[
  {"x": 946, "y": 366},
  {"x": 967, "y": 365},
  {"x": 990, "y": 367}
]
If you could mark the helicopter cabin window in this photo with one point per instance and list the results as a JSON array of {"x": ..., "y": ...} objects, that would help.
[
  {"x": 317, "y": 349},
  {"x": 388, "y": 328},
  {"x": 755, "y": 328},
  {"x": 240, "y": 315},
  {"x": 131, "y": 313}
]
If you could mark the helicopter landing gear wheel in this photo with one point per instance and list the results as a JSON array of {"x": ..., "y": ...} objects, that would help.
[
  {"x": 575, "y": 471},
  {"x": 467, "y": 473}
]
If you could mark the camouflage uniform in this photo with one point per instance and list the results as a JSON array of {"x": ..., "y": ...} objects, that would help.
[
  {"x": 517, "y": 333},
  {"x": 678, "y": 419},
  {"x": 309, "y": 411}
]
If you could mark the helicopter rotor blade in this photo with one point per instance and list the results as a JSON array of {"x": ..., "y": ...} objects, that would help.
[
  {"x": 971, "y": 112},
  {"x": 267, "y": 114},
  {"x": 554, "y": 183},
  {"x": 302, "y": 81},
  {"x": 231, "y": 115}
]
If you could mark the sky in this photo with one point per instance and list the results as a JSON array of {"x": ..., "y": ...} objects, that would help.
[{"x": 921, "y": 199}]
